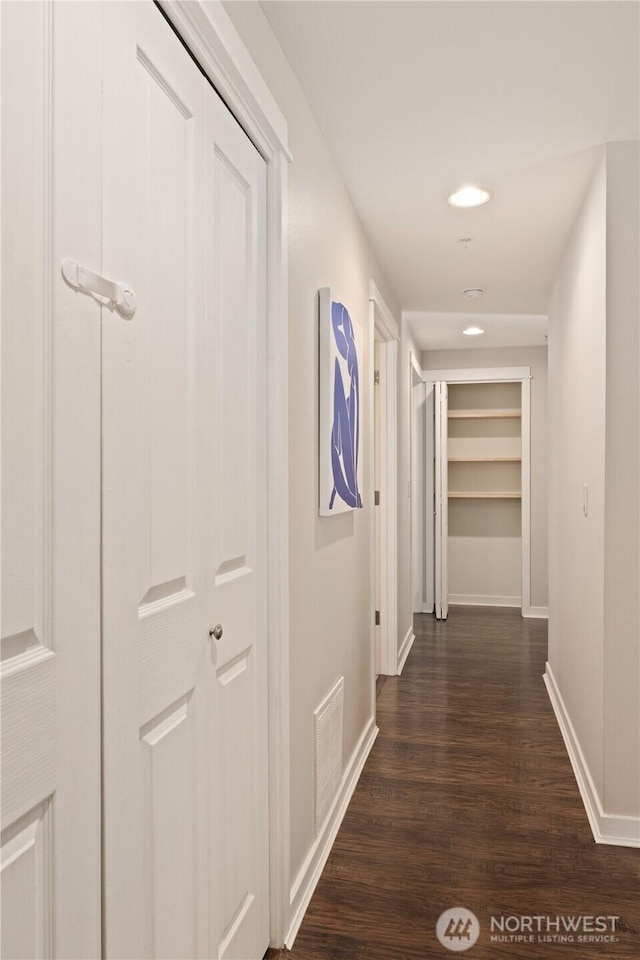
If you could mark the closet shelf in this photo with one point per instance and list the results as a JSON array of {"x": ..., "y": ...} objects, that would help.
[
  {"x": 484, "y": 495},
  {"x": 485, "y": 414},
  {"x": 485, "y": 459}
]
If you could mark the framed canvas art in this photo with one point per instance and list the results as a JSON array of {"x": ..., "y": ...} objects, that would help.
[{"x": 340, "y": 408}]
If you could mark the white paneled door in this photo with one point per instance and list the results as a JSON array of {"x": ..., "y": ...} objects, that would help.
[
  {"x": 134, "y": 526},
  {"x": 184, "y": 535},
  {"x": 50, "y": 669},
  {"x": 442, "y": 502}
]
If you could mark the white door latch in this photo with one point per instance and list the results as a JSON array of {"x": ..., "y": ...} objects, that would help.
[{"x": 121, "y": 294}]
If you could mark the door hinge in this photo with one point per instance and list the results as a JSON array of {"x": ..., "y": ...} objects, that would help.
[
  {"x": 376, "y": 498},
  {"x": 377, "y": 618},
  {"x": 376, "y": 378}
]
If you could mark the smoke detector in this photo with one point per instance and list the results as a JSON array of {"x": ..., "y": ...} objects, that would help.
[{"x": 472, "y": 293}]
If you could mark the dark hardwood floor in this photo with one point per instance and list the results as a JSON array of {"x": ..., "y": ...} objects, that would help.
[{"x": 468, "y": 799}]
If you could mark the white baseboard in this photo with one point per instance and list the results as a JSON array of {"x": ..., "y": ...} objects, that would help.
[
  {"x": 311, "y": 871},
  {"x": 606, "y": 828},
  {"x": 536, "y": 613},
  {"x": 469, "y": 600},
  {"x": 405, "y": 649}
]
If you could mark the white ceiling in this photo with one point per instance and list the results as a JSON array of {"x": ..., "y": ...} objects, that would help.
[
  {"x": 418, "y": 98},
  {"x": 435, "y": 330}
]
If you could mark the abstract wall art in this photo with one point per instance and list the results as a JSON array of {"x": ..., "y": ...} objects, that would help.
[{"x": 340, "y": 408}]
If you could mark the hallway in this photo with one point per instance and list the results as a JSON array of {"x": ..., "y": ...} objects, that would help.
[{"x": 467, "y": 799}]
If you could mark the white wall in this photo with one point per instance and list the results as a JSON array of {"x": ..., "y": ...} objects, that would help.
[
  {"x": 331, "y": 606},
  {"x": 577, "y": 352},
  {"x": 536, "y": 358},
  {"x": 594, "y": 624},
  {"x": 622, "y": 471}
]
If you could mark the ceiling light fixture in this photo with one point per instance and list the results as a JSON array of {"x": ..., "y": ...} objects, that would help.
[
  {"x": 473, "y": 331},
  {"x": 469, "y": 197},
  {"x": 472, "y": 293}
]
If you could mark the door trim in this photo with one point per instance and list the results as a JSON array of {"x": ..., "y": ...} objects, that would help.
[
  {"x": 384, "y": 328},
  {"x": 210, "y": 36}
]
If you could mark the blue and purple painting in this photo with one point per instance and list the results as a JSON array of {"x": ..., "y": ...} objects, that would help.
[{"x": 340, "y": 483}]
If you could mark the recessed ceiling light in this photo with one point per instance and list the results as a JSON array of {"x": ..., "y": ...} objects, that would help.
[
  {"x": 469, "y": 197},
  {"x": 473, "y": 331},
  {"x": 472, "y": 293}
]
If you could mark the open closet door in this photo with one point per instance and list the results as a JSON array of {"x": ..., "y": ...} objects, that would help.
[
  {"x": 418, "y": 496},
  {"x": 429, "y": 495},
  {"x": 441, "y": 503}
]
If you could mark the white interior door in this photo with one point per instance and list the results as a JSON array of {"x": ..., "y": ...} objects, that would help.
[
  {"x": 442, "y": 504},
  {"x": 430, "y": 493},
  {"x": 418, "y": 500},
  {"x": 50, "y": 669},
  {"x": 377, "y": 479},
  {"x": 184, "y": 611}
]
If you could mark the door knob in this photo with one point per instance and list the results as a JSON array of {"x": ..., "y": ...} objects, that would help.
[{"x": 216, "y": 632}]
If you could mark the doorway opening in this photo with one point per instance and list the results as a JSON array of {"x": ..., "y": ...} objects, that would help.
[{"x": 476, "y": 489}]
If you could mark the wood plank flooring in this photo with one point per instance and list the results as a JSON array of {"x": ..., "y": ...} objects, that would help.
[{"x": 467, "y": 799}]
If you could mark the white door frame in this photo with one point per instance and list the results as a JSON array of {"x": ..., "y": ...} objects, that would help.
[
  {"x": 502, "y": 375},
  {"x": 384, "y": 328},
  {"x": 214, "y": 42}
]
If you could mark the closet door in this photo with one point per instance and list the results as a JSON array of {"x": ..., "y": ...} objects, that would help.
[
  {"x": 418, "y": 495},
  {"x": 442, "y": 503},
  {"x": 430, "y": 494},
  {"x": 184, "y": 615},
  {"x": 236, "y": 539},
  {"x": 50, "y": 669}
]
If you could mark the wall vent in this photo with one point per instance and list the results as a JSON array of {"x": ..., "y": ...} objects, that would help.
[{"x": 328, "y": 736}]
